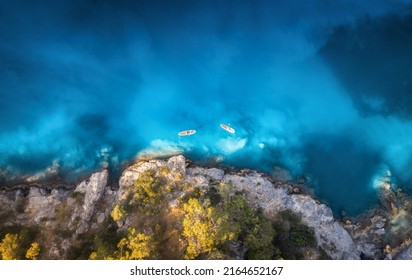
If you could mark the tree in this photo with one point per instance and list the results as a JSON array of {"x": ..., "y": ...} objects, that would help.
[
  {"x": 105, "y": 243},
  {"x": 147, "y": 189},
  {"x": 294, "y": 236},
  {"x": 103, "y": 249},
  {"x": 93, "y": 256},
  {"x": 118, "y": 213},
  {"x": 137, "y": 246},
  {"x": 16, "y": 242},
  {"x": 9, "y": 247},
  {"x": 33, "y": 251},
  {"x": 251, "y": 228},
  {"x": 259, "y": 240},
  {"x": 146, "y": 194},
  {"x": 210, "y": 229},
  {"x": 198, "y": 228}
]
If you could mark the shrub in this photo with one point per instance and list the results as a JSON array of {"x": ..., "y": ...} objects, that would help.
[
  {"x": 16, "y": 242},
  {"x": 33, "y": 251},
  {"x": 293, "y": 236},
  {"x": 118, "y": 213},
  {"x": 10, "y": 247},
  {"x": 137, "y": 246}
]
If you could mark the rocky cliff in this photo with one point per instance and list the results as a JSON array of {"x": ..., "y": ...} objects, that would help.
[{"x": 64, "y": 215}]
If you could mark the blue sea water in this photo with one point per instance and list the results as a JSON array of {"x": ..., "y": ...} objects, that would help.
[{"x": 321, "y": 90}]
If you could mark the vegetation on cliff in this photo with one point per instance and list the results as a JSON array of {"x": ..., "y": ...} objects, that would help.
[
  {"x": 160, "y": 220},
  {"x": 164, "y": 217},
  {"x": 17, "y": 243}
]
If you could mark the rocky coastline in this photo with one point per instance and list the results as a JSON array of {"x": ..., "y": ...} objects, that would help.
[{"x": 74, "y": 210}]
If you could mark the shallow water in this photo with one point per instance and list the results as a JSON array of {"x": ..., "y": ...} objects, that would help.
[{"x": 323, "y": 91}]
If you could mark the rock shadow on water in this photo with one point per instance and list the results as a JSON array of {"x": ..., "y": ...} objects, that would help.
[
  {"x": 354, "y": 52},
  {"x": 341, "y": 172}
]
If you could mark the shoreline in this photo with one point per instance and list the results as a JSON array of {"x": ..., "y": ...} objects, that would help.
[
  {"x": 389, "y": 225},
  {"x": 59, "y": 181}
]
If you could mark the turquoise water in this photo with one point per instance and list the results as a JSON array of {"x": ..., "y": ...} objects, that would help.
[{"x": 321, "y": 90}]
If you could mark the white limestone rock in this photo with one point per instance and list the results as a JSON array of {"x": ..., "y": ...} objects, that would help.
[
  {"x": 38, "y": 205},
  {"x": 330, "y": 235},
  {"x": 130, "y": 175},
  {"x": 197, "y": 181},
  {"x": 93, "y": 189},
  {"x": 177, "y": 164},
  {"x": 259, "y": 190},
  {"x": 214, "y": 174}
]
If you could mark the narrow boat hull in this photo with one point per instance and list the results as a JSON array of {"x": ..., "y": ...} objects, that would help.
[
  {"x": 227, "y": 128},
  {"x": 187, "y": 132}
]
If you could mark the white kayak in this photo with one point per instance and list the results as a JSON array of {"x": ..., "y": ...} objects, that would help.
[
  {"x": 187, "y": 132},
  {"x": 227, "y": 128}
]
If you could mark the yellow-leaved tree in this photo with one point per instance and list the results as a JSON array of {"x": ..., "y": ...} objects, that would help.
[
  {"x": 9, "y": 247},
  {"x": 33, "y": 252},
  {"x": 209, "y": 229},
  {"x": 147, "y": 189},
  {"x": 118, "y": 213},
  {"x": 198, "y": 228},
  {"x": 137, "y": 246}
]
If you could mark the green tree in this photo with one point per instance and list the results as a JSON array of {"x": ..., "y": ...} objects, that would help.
[
  {"x": 105, "y": 243},
  {"x": 294, "y": 236},
  {"x": 259, "y": 240},
  {"x": 103, "y": 251},
  {"x": 251, "y": 228}
]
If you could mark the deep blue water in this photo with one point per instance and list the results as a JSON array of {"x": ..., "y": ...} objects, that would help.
[{"x": 321, "y": 88}]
